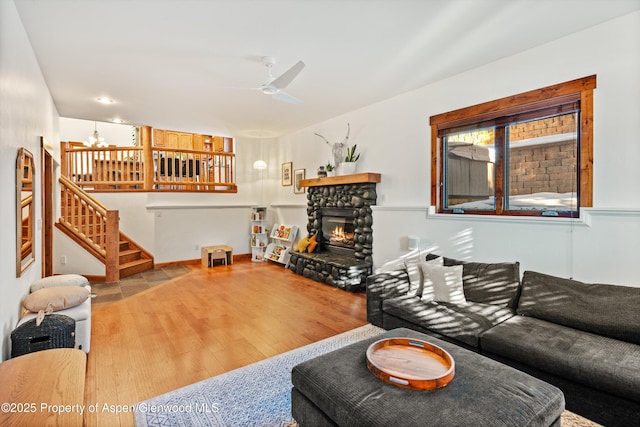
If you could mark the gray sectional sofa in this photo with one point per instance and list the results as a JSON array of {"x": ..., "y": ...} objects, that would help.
[{"x": 583, "y": 338}]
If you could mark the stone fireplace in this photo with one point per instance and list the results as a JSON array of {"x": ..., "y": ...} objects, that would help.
[{"x": 339, "y": 213}]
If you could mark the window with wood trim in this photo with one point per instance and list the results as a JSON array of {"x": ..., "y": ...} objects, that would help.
[{"x": 527, "y": 154}]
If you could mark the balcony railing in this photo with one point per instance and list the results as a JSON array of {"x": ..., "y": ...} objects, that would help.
[{"x": 148, "y": 169}]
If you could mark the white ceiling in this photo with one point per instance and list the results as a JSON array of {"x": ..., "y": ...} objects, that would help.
[{"x": 171, "y": 63}]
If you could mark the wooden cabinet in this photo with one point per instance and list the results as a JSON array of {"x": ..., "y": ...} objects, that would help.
[
  {"x": 198, "y": 142},
  {"x": 191, "y": 141},
  {"x": 218, "y": 143},
  {"x": 179, "y": 140},
  {"x": 159, "y": 139},
  {"x": 185, "y": 141},
  {"x": 223, "y": 143}
]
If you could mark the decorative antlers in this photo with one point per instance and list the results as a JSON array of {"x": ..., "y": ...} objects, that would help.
[
  {"x": 337, "y": 147},
  {"x": 346, "y": 138}
]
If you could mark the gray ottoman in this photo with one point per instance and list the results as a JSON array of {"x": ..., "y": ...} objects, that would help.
[{"x": 338, "y": 389}]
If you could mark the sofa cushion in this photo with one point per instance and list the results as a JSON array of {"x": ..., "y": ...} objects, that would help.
[
  {"x": 56, "y": 298},
  {"x": 400, "y": 264},
  {"x": 607, "y": 310},
  {"x": 59, "y": 280},
  {"x": 78, "y": 313},
  {"x": 489, "y": 283},
  {"x": 462, "y": 323},
  {"x": 600, "y": 362}
]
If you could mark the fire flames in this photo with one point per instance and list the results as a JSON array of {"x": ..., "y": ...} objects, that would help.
[{"x": 338, "y": 235}]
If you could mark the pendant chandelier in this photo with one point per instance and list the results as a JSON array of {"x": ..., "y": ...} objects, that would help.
[{"x": 95, "y": 140}]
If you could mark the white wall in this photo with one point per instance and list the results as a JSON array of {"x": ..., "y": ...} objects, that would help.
[
  {"x": 394, "y": 137},
  {"x": 27, "y": 112}
]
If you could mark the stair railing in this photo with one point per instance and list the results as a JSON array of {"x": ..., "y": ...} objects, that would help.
[{"x": 91, "y": 225}]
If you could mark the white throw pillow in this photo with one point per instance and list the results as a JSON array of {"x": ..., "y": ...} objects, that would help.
[
  {"x": 425, "y": 290},
  {"x": 446, "y": 283},
  {"x": 59, "y": 280}
]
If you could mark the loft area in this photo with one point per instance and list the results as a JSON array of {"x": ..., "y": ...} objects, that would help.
[{"x": 162, "y": 161}]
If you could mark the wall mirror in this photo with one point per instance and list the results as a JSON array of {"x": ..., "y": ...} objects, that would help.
[{"x": 25, "y": 202}]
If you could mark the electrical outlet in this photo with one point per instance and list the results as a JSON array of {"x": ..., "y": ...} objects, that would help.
[
  {"x": 197, "y": 247},
  {"x": 63, "y": 259}
]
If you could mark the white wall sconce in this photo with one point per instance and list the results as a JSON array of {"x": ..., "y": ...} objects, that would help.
[{"x": 413, "y": 242}]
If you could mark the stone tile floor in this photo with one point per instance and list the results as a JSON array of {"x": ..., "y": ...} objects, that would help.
[{"x": 109, "y": 292}]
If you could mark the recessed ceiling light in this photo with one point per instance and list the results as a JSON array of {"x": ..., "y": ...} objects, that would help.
[
  {"x": 117, "y": 121},
  {"x": 102, "y": 100}
]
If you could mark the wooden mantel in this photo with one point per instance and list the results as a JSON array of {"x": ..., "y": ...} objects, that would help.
[{"x": 356, "y": 178}]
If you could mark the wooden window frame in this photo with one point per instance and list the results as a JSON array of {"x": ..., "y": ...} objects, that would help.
[{"x": 579, "y": 90}]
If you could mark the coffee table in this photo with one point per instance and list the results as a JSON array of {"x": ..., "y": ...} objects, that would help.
[{"x": 338, "y": 389}]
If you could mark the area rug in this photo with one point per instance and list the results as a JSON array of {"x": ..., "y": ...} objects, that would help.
[{"x": 255, "y": 395}]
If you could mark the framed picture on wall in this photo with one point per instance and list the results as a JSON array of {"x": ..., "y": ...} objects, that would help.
[
  {"x": 298, "y": 175},
  {"x": 287, "y": 179}
]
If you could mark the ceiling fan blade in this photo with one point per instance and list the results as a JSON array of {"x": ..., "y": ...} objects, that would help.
[
  {"x": 285, "y": 97},
  {"x": 288, "y": 76}
]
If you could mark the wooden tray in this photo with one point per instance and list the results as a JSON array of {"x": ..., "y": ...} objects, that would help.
[{"x": 410, "y": 363}]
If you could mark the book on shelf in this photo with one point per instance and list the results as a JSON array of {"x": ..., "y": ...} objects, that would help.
[
  {"x": 259, "y": 214},
  {"x": 276, "y": 252},
  {"x": 282, "y": 232}
]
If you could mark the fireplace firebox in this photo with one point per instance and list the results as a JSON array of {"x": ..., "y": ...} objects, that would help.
[{"x": 338, "y": 231}]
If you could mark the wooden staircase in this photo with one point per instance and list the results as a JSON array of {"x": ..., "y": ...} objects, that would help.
[
  {"x": 132, "y": 259},
  {"x": 95, "y": 228}
]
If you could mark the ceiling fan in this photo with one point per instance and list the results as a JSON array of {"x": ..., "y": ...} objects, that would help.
[{"x": 273, "y": 86}]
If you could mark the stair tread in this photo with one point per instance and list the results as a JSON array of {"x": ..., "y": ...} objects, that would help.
[
  {"x": 134, "y": 267},
  {"x": 129, "y": 251},
  {"x": 135, "y": 262}
]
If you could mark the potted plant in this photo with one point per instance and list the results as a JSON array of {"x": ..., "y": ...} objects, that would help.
[
  {"x": 330, "y": 170},
  {"x": 349, "y": 164}
]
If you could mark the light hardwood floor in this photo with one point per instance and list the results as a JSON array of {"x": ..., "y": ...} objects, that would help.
[{"x": 202, "y": 324}]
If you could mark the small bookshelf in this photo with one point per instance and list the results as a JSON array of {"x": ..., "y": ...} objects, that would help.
[
  {"x": 259, "y": 234},
  {"x": 282, "y": 237}
]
